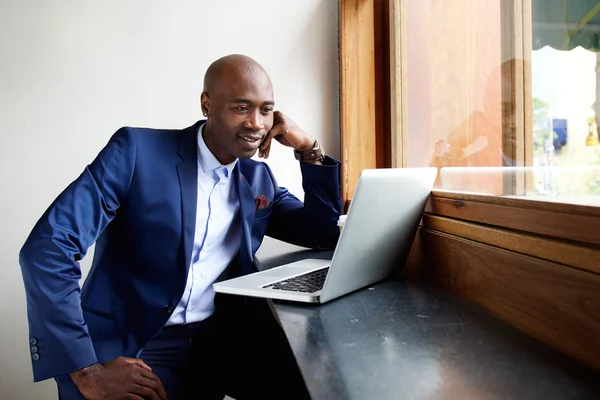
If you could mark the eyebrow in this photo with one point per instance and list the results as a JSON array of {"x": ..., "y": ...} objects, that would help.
[{"x": 248, "y": 101}]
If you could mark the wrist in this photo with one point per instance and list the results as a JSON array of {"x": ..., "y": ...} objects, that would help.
[
  {"x": 314, "y": 154},
  {"x": 86, "y": 372},
  {"x": 308, "y": 144}
]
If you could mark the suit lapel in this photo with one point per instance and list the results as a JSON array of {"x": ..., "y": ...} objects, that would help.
[
  {"x": 247, "y": 209},
  {"x": 187, "y": 171}
]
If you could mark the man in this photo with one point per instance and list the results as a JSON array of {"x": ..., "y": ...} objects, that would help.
[{"x": 171, "y": 212}]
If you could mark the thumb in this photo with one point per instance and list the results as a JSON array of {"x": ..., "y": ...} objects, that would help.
[{"x": 137, "y": 361}]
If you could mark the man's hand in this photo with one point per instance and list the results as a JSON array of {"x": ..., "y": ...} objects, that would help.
[
  {"x": 286, "y": 132},
  {"x": 121, "y": 378}
]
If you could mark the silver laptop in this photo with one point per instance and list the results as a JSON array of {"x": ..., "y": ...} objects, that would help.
[{"x": 375, "y": 241}]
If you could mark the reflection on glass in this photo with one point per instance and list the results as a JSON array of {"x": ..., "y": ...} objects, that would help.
[{"x": 474, "y": 100}]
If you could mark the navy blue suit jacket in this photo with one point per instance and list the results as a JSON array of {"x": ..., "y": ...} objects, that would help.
[{"x": 137, "y": 202}]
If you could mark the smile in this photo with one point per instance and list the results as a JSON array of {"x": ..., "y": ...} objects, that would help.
[{"x": 250, "y": 142}]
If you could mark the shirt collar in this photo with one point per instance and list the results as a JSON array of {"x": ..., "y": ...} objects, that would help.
[{"x": 207, "y": 160}]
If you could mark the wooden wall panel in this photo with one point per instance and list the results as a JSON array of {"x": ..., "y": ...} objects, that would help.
[
  {"x": 566, "y": 253},
  {"x": 556, "y": 304},
  {"x": 568, "y": 222},
  {"x": 536, "y": 265}
]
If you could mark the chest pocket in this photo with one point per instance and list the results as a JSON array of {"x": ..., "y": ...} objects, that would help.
[
  {"x": 262, "y": 213},
  {"x": 261, "y": 223}
]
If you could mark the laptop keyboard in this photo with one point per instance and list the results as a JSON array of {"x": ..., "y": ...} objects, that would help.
[{"x": 307, "y": 283}]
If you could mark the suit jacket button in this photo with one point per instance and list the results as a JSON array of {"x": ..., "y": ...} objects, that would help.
[
  {"x": 33, "y": 341},
  {"x": 34, "y": 349},
  {"x": 35, "y": 357},
  {"x": 169, "y": 309}
]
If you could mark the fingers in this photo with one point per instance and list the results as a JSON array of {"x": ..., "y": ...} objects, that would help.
[
  {"x": 286, "y": 132},
  {"x": 160, "y": 390},
  {"x": 137, "y": 361},
  {"x": 146, "y": 375},
  {"x": 278, "y": 118},
  {"x": 147, "y": 379},
  {"x": 144, "y": 391},
  {"x": 265, "y": 146},
  {"x": 263, "y": 151},
  {"x": 152, "y": 381},
  {"x": 149, "y": 389},
  {"x": 267, "y": 150},
  {"x": 277, "y": 137},
  {"x": 280, "y": 127}
]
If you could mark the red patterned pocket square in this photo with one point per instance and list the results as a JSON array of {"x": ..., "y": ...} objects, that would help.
[{"x": 261, "y": 202}]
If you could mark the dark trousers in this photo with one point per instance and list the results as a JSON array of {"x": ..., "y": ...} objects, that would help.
[
  {"x": 241, "y": 351},
  {"x": 183, "y": 356}
]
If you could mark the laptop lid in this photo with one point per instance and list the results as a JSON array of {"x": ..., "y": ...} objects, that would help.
[{"x": 380, "y": 227}]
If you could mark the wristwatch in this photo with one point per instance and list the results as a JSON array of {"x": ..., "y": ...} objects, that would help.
[{"x": 314, "y": 154}]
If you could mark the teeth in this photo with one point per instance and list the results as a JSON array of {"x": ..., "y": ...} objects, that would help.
[{"x": 248, "y": 139}]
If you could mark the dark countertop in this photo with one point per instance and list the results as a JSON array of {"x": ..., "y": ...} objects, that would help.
[{"x": 393, "y": 340}]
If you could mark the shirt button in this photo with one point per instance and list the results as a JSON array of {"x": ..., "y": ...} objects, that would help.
[
  {"x": 169, "y": 309},
  {"x": 34, "y": 349},
  {"x": 35, "y": 357},
  {"x": 33, "y": 341}
]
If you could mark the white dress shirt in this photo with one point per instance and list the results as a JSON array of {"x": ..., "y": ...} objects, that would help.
[{"x": 217, "y": 237}]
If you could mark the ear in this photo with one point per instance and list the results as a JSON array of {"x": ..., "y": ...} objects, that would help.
[{"x": 205, "y": 104}]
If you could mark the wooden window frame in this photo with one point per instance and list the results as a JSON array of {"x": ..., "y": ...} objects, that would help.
[
  {"x": 365, "y": 122},
  {"x": 357, "y": 91}
]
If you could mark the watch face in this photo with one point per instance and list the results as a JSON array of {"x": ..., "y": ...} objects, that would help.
[
  {"x": 318, "y": 152},
  {"x": 314, "y": 154}
]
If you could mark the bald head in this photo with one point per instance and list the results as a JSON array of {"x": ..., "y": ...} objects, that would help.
[
  {"x": 237, "y": 102},
  {"x": 230, "y": 68}
]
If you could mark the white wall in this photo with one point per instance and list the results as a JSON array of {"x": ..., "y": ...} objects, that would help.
[{"x": 72, "y": 72}]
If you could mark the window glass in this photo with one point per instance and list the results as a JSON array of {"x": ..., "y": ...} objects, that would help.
[{"x": 503, "y": 96}]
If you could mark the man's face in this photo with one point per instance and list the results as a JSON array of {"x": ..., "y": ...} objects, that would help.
[{"x": 240, "y": 114}]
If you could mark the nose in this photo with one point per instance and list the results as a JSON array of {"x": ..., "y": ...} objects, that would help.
[{"x": 254, "y": 121}]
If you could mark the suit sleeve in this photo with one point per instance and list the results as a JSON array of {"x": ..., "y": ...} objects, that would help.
[
  {"x": 311, "y": 224},
  {"x": 59, "y": 338}
]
